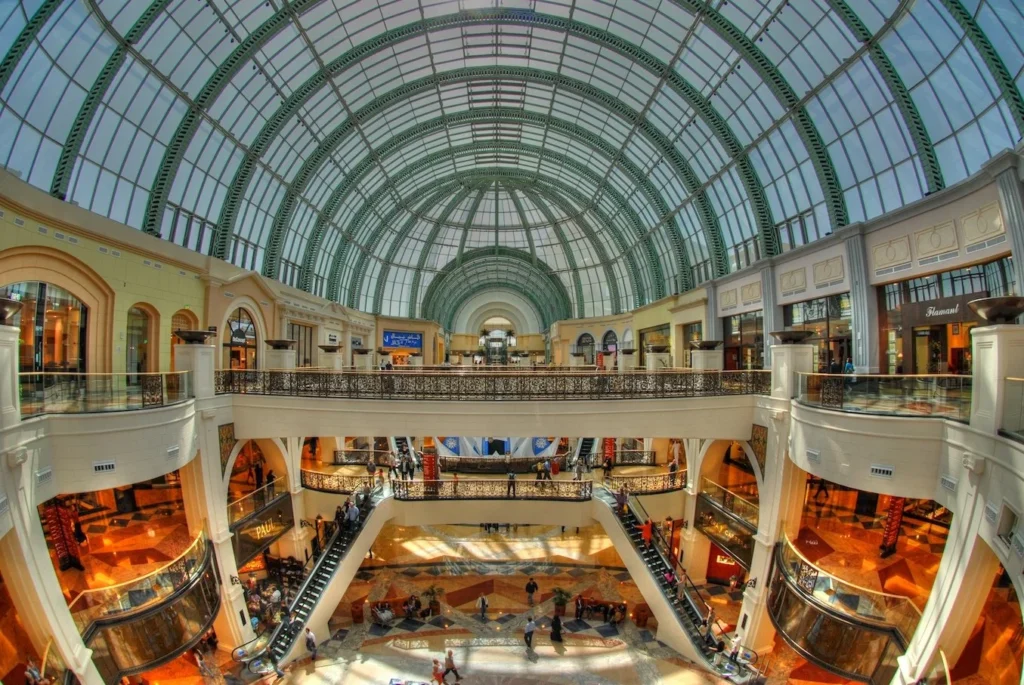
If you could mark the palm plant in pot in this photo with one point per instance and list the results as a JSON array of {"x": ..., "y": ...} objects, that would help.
[
  {"x": 432, "y": 595},
  {"x": 560, "y": 600}
]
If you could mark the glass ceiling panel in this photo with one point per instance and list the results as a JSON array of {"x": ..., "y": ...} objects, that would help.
[{"x": 617, "y": 172}]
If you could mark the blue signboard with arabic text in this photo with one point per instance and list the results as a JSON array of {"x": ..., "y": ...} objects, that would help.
[{"x": 404, "y": 339}]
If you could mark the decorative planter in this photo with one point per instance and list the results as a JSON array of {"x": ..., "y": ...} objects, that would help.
[
  {"x": 998, "y": 309},
  {"x": 360, "y": 350},
  {"x": 628, "y": 350},
  {"x": 280, "y": 344},
  {"x": 435, "y": 608},
  {"x": 559, "y": 610},
  {"x": 791, "y": 337},
  {"x": 8, "y": 308},
  {"x": 705, "y": 344},
  {"x": 657, "y": 348},
  {"x": 329, "y": 349},
  {"x": 194, "y": 337}
]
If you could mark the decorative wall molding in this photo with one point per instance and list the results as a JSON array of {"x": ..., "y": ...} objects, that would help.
[
  {"x": 729, "y": 299},
  {"x": 751, "y": 292},
  {"x": 937, "y": 240},
  {"x": 890, "y": 256},
  {"x": 983, "y": 225},
  {"x": 794, "y": 281},
  {"x": 829, "y": 272}
]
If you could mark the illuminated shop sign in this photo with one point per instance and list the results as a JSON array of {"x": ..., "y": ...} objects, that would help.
[{"x": 404, "y": 339}]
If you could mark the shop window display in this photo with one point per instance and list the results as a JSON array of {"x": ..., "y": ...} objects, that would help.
[
  {"x": 53, "y": 326},
  {"x": 241, "y": 350},
  {"x": 829, "y": 319},
  {"x": 744, "y": 341}
]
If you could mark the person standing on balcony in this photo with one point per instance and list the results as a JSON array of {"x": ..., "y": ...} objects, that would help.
[
  {"x": 270, "y": 484},
  {"x": 673, "y": 470},
  {"x": 607, "y": 466},
  {"x": 510, "y": 489},
  {"x": 531, "y": 588},
  {"x": 481, "y": 604},
  {"x": 581, "y": 604},
  {"x": 257, "y": 468},
  {"x": 578, "y": 470}
]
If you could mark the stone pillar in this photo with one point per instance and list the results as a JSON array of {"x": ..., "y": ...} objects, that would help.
[
  {"x": 281, "y": 360},
  {"x": 576, "y": 360},
  {"x": 694, "y": 544},
  {"x": 864, "y": 305},
  {"x": 295, "y": 542},
  {"x": 609, "y": 361},
  {"x": 332, "y": 361},
  {"x": 364, "y": 362},
  {"x": 787, "y": 362},
  {"x": 24, "y": 559},
  {"x": 998, "y": 352},
  {"x": 707, "y": 360},
  {"x": 1012, "y": 208},
  {"x": 712, "y": 323},
  {"x": 467, "y": 360},
  {"x": 416, "y": 361},
  {"x": 200, "y": 360},
  {"x": 771, "y": 311},
  {"x": 627, "y": 361},
  {"x": 966, "y": 572},
  {"x": 659, "y": 360}
]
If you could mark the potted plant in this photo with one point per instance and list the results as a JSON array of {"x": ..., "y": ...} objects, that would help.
[
  {"x": 560, "y": 600},
  {"x": 432, "y": 595}
]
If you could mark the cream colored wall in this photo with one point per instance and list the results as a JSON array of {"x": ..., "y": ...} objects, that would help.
[
  {"x": 135, "y": 277},
  {"x": 247, "y": 292},
  {"x": 564, "y": 334}
]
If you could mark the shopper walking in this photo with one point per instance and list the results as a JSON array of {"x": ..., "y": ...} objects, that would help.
[
  {"x": 437, "y": 675},
  {"x": 449, "y": 667},
  {"x": 556, "y": 629},
  {"x": 581, "y": 604},
  {"x": 257, "y": 469},
  {"x": 481, "y": 604},
  {"x": 528, "y": 633},
  {"x": 270, "y": 484},
  {"x": 646, "y": 531},
  {"x": 311, "y": 643},
  {"x": 531, "y": 588},
  {"x": 353, "y": 517},
  {"x": 510, "y": 489}
]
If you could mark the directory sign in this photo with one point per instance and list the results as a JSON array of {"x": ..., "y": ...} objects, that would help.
[{"x": 405, "y": 339}]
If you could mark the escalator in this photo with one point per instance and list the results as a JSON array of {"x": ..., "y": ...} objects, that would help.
[
  {"x": 280, "y": 642},
  {"x": 584, "y": 449},
  {"x": 690, "y": 609}
]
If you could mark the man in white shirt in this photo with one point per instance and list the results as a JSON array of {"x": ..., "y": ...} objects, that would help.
[
  {"x": 275, "y": 596},
  {"x": 353, "y": 517},
  {"x": 528, "y": 633},
  {"x": 481, "y": 604}
]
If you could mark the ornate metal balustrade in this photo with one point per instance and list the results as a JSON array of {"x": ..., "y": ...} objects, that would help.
[
  {"x": 476, "y": 386},
  {"x": 634, "y": 458},
  {"x": 334, "y": 482},
  {"x": 493, "y": 464},
  {"x": 361, "y": 457},
  {"x": 649, "y": 484},
  {"x": 570, "y": 490}
]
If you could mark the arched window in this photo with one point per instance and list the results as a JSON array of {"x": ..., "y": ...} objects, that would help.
[
  {"x": 140, "y": 342},
  {"x": 183, "y": 320},
  {"x": 627, "y": 340},
  {"x": 53, "y": 326},
  {"x": 585, "y": 345},
  {"x": 610, "y": 342},
  {"x": 240, "y": 346}
]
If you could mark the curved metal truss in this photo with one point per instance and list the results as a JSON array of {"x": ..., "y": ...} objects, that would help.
[{"x": 360, "y": 152}]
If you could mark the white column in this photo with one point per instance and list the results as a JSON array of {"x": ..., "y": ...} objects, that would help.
[
  {"x": 333, "y": 361},
  {"x": 695, "y": 545},
  {"x": 364, "y": 362},
  {"x": 787, "y": 362},
  {"x": 416, "y": 361},
  {"x": 24, "y": 558},
  {"x": 771, "y": 312},
  {"x": 200, "y": 360},
  {"x": 627, "y": 361},
  {"x": 998, "y": 352},
  {"x": 864, "y": 306},
  {"x": 280, "y": 360},
  {"x": 707, "y": 360},
  {"x": 294, "y": 543},
  {"x": 659, "y": 360},
  {"x": 467, "y": 360},
  {"x": 1011, "y": 206},
  {"x": 576, "y": 361}
]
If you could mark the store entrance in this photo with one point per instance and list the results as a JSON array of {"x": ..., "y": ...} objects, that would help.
[{"x": 943, "y": 348}]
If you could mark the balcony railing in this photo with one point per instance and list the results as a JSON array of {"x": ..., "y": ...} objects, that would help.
[
  {"x": 256, "y": 500},
  {"x": 495, "y": 464},
  {"x": 1013, "y": 408},
  {"x": 361, "y": 457},
  {"x": 457, "y": 385},
  {"x": 464, "y": 489},
  {"x": 87, "y": 393},
  {"x": 139, "y": 593},
  {"x": 647, "y": 484},
  {"x": 334, "y": 482},
  {"x": 944, "y": 396},
  {"x": 876, "y": 607},
  {"x": 634, "y": 458},
  {"x": 730, "y": 502}
]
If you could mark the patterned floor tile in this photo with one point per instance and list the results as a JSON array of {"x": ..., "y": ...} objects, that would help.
[
  {"x": 576, "y": 626},
  {"x": 410, "y": 624},
  {"x": 607, "y": 630},
  {"x": 378, "y": 630}
]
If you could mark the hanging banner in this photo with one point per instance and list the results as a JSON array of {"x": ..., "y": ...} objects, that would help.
[
  {"x": 541, "y": 445},
  {"x": 609, "y": 449},
  {"x": 448, "y": 447}
]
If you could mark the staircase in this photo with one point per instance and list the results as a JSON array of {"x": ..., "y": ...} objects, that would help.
[
  {"x": 688, "y": 612},
  {"x": 309, "y": 594}
]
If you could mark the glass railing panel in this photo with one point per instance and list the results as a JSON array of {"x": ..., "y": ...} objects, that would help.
[
  {"x": 155, "y": 637},
  {"x": 87, "y": 393},
  {"x": 861, "y": 603},
  {"x": 52, "y": 667},
  {"x": 136, "y": 595},
  {"x": 254, "y": 534},
  {"x": 945, "y": 396},
  {"x": 725, "y": 531},
  {"x": 730, "y": 501},
  {"x": 1013, "y": 407},
  {"x": 258, "y": 499},
  {"x": 475, "y": 385}
]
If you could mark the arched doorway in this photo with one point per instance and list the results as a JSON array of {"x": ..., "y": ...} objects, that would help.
[
  {"x": 140, "y": 341},
  {"x": 54, "y": 325},
  {"x": 241, "y": 351},
  {"x": 585, "y": 346},
  {"x": 610, "y": 342},
  {"x": 183, "y": 320}
]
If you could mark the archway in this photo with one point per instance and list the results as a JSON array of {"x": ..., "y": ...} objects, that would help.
[
  {"x": 250, "y": 468},
  {"x": 182, "y": 320},
  {"x": 610, "y": 342},
  {"x": 36, "y": 264},
  {"x": 241, "y": 340},
  {"x": 585, "y": 345},
  {"x": 141, "y": 341}
]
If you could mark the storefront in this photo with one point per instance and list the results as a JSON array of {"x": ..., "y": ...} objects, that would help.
[
  {"x": 585, "y": 346},
  {"x": 654, "y": 337},
  {"x": 53, "y": 326},
  {"x": 241, "y": 351},
  {"x": 925, "y": 323},
  {"x": 304, "y": 337},
  {"x": 401, "y": 345},
  {"x": 744, "y": 341},
  {"x": 692, "y": 332},
  {"x": 828, "y": 318}
]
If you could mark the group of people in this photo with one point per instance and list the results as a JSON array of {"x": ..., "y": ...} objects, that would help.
[
  {"x": 266, "y": 602},
  {"x": 347, "y": 515},
  {"x": 383, "y": 614},
  {"x": 590, "y": 608}
]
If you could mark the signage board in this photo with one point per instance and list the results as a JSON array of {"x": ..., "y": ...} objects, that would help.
[
  {"x": 941, "y": 311},
  {"x": 332, "y": 339},
  {"x": 403, "y": 339}
]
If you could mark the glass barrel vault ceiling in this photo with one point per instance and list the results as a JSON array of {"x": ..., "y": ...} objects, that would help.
[{"x": 382, "y": 153}]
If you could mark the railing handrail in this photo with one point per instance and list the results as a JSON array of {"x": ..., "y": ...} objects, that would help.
[
  {"x": 200, "y": 539},
  {"x": 65, "y": 374},
  {"x": 458, "y": 370},
  {"x": 275, "y": 483},
  {"x": 890, "y": 376},
  {"x": 722, "y": 487},
  {"x": 839, "y": 581}
]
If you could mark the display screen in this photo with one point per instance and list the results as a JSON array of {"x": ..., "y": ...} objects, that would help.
[{"x": 404, "y": 339}]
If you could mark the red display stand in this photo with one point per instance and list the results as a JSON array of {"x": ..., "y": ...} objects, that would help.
[
  {"x": 429, "y": 466},
  {"x": 609, "y": 449}
]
